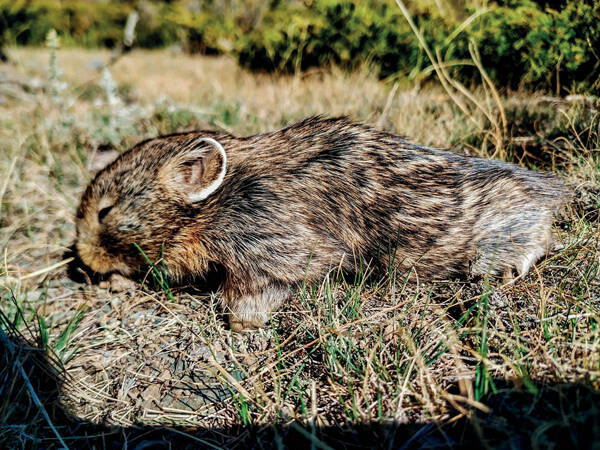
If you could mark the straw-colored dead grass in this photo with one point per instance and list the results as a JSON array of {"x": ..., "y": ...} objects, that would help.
[{"x": 345, "y": 352}]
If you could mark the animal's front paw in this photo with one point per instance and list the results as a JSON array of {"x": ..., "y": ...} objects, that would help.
[
  {"x": 118, "y": 283},
  {"x": 238, "y": 325},
  {"x": 252, "y": 311}
]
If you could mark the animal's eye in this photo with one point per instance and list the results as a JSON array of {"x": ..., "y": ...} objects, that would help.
[{"x": 103, "y": 212}]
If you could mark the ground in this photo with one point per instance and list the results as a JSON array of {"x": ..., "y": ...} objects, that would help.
[{"x": 346, "y": 361}]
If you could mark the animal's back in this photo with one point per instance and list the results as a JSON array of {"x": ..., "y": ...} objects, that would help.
[{"x": 321, "y": 192}]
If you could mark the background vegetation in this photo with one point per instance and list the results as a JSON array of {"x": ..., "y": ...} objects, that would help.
[{"x": 537, "y": 44}]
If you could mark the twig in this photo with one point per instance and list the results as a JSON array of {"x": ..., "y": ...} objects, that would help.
[
  {"x": 230, "y": 379},
  {"x": 435, "y": 63},
  {"x": 473, "y": 403},
  {"x": 6, "y": 180},
  {"x": 128, "y": 38},
  {"x": 47, "y": 269},
  {"x": 477, "y": 60},
  {"x": 388, "y": 105}
]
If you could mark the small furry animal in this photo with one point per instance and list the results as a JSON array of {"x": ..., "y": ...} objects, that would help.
[{"x": 278, "y": 208}]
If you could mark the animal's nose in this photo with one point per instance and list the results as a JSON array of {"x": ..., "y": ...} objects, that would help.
[{"x": 78, "y": 271}]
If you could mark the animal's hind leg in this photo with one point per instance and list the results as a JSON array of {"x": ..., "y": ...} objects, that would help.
[
  {"x": 249, "y": 311},
  {"x": 522, "y": 265},
  {"x": 529, "y": 260},
  {"x": 508, "y": 276}
]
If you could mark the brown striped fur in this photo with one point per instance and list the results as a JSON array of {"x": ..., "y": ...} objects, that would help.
[{"x": 317, "y": 194}]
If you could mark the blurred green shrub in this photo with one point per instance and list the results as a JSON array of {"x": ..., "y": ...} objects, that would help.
[
  {"x": 524, "y": 46},
  {"x": 27, "y": 22},
  {"x": 551, "y": 45},
  {"x": 200, "y": 31},
  {"x": 345, "y": 33}
]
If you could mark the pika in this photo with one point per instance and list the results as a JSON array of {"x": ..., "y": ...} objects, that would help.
[{"x": 283, "y": 207}]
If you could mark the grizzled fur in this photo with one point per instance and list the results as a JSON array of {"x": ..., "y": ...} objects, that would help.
[{"x": 296, "y": 202}]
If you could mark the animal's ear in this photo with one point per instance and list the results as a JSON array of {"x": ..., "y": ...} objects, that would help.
[
  {"x": 98, "y": 160},
  {"x": 200, "y": 171}
]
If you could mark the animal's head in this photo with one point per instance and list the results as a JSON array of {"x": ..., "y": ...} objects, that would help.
[{"x": 145, "y": 198}]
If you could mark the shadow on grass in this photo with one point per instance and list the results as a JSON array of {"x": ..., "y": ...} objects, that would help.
[{"x": 31, "y": 416}]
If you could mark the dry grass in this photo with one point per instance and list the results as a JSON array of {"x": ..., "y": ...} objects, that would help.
[{"x": 413, "y": 364}]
